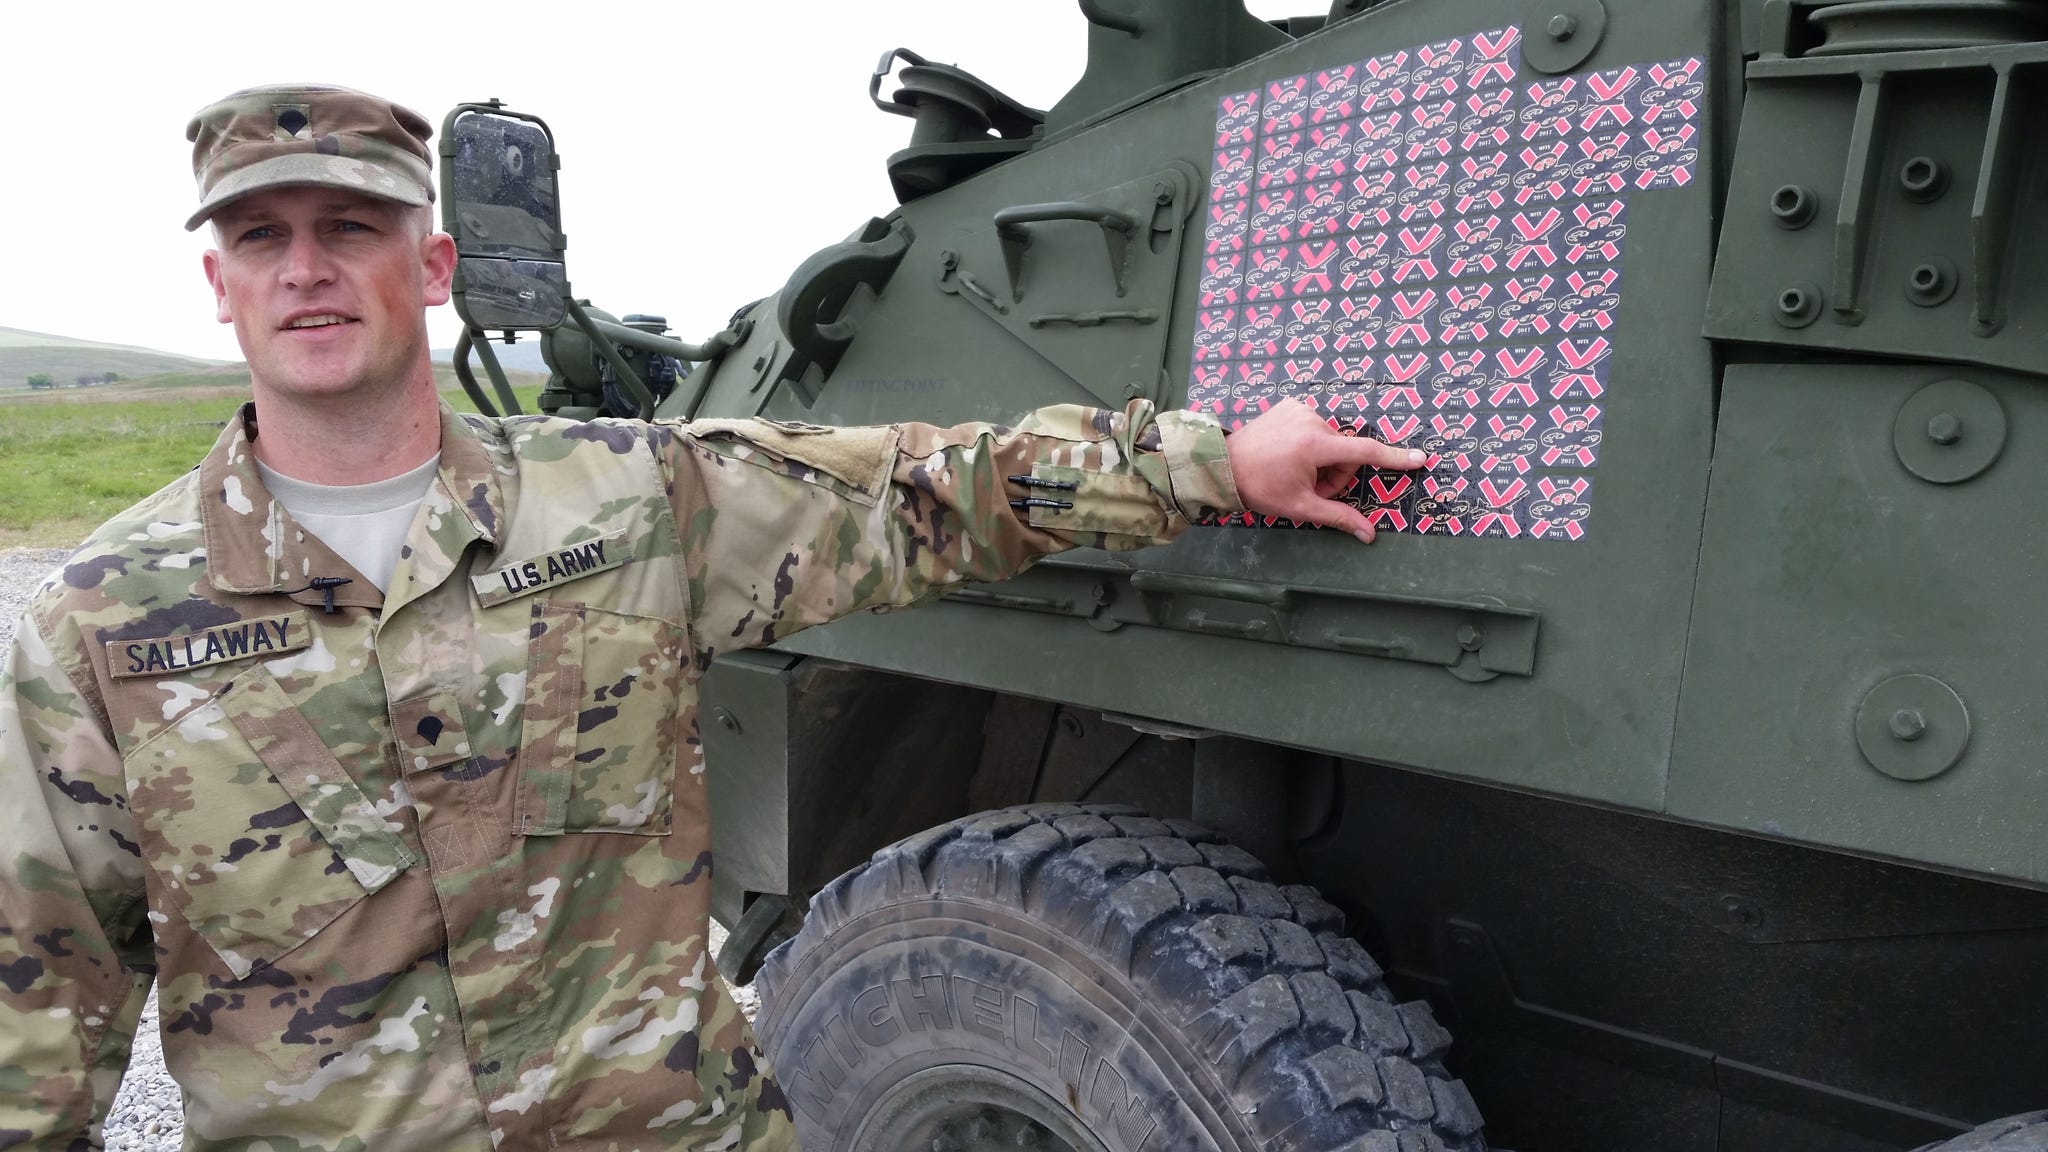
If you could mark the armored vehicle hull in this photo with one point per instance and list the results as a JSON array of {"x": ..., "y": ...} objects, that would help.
[{"x": 1678, "y": 742}]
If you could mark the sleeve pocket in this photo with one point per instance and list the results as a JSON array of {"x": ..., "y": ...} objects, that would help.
[
  {"x": 1114, "y": 502},
  {"x": 860, "y": 459}
]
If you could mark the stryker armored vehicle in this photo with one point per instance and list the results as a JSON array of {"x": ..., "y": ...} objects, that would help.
[{"x": 1679, "y": 747}]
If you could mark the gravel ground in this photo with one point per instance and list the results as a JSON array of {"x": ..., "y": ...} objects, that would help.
[
  {"x": 148, "y": 1115},
  {"x": 21, "y": 569}
]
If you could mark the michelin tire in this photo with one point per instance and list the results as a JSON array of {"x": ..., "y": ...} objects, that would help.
[{"x": 1086, "y": 977}]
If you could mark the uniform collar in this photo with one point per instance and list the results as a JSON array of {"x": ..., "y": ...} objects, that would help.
[
  {"x": 253, "y": 547},
  {"x": 474, "y": 458},
  {"x": 465, "y": 504}
]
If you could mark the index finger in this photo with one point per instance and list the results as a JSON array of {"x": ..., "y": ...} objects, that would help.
[{"x": 1364, "y": 451}]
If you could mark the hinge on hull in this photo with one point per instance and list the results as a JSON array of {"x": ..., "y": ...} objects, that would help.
[{"x": 1472, "y": 641}]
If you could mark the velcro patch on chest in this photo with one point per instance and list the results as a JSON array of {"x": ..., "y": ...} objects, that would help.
[
  {"x": 168, "y": 655},
  {"x": 569, "y": 562}
]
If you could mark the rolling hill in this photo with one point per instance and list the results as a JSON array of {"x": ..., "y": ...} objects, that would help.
[
  {"x": 65, "y": 358},
  {"x": 521, "y": 357}
]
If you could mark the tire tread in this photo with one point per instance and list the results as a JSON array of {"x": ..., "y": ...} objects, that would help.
[{"x": 1293, "y": 1018}]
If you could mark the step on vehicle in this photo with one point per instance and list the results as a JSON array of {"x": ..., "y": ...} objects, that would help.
[{"x": 1678, "y": 747}]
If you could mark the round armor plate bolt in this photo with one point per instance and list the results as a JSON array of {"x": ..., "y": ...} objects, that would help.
[
  {"x": 1931, "y": 282},
  {"x": 1949, "y": 431},
  {"x": 1912, "y": 727},
  {"x": 1470, "y": 637},
  {"x": 1162, "y": 193},
  {"x": 1923, "y": 178},
  {"x": 1797, "y": 305},
  {"x": 1793, "y": 206},
  {"x": 1099, "y": 593},
  {"x": 728, "y": 721},
  {"x": 949, "y": 259},
  {"x": 1570, "y": 34}
]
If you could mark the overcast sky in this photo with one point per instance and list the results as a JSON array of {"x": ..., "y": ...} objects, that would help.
[{"x": 707, "y": 147}]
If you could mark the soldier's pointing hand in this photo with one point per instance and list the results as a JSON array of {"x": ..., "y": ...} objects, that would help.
[{"x": 1290, "y": 462}]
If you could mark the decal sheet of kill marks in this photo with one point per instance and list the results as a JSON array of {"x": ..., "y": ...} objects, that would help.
[{"x": 1427, "y": 247}]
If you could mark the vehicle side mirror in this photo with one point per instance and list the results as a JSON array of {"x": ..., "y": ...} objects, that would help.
[{"x": 499, "y": 202}]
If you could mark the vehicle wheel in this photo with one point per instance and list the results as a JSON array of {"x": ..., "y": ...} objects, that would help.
[
  {"x": 1088, "y": 978},
  {"x": 2027, "y": 1133}
]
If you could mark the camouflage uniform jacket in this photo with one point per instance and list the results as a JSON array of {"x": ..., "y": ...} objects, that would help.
[{"x": 430, "y": 871}]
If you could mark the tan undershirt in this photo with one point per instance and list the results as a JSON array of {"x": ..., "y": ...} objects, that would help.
[{"x": 365, "y": 524}]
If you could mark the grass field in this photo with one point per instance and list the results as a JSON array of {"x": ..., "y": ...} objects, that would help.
[{"x": 71, "y": 458}]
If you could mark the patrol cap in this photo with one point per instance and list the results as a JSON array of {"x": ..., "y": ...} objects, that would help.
[{"x": 308, "y": 134}]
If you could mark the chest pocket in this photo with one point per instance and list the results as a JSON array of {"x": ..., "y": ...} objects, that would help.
[
  {"x": 599, "y": 736},
  {"x": 258, "y": 834}
]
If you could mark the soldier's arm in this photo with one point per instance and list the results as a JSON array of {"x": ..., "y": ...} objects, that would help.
[
  {"x": 785, "y": 526},
  {"x": 72, "y": 930}
]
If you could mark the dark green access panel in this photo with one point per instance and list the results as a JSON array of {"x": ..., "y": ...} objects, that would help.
[{"x": 1864, "y": 663}]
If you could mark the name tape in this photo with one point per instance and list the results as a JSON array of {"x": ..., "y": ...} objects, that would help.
[{"x": 267, "y": 636}]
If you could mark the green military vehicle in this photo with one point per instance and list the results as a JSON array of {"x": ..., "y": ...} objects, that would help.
[{"x": 1695, "y": 776}]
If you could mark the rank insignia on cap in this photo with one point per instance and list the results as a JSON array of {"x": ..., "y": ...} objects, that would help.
[{"x": 292, "y": 121}]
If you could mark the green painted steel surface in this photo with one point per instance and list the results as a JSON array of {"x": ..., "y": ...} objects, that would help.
[
  {"x": 1599, "y": 718},
  {"x": 1594, "y": 721},
  {"x": 1816, "y": 196},
  {"x": 1828, "y": 569}
]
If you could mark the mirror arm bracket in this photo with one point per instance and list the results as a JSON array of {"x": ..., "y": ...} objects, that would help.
[
  {"x": 711, "y": 349},
  {"x": 460, "y": 362},
  {"x": 643, "y": 397},
  {"x": 499, "y": 383}
]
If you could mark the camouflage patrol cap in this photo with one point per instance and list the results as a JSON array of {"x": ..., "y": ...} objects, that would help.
[{"x": 308, "y": 134}]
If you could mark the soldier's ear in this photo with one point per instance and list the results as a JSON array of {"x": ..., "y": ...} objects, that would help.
[
  {"x": 211, "y": 262},
  {"x": 437, "y": 260}
]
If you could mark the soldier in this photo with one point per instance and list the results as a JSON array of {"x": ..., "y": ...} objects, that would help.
[{"x": 373, "y": 738}]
